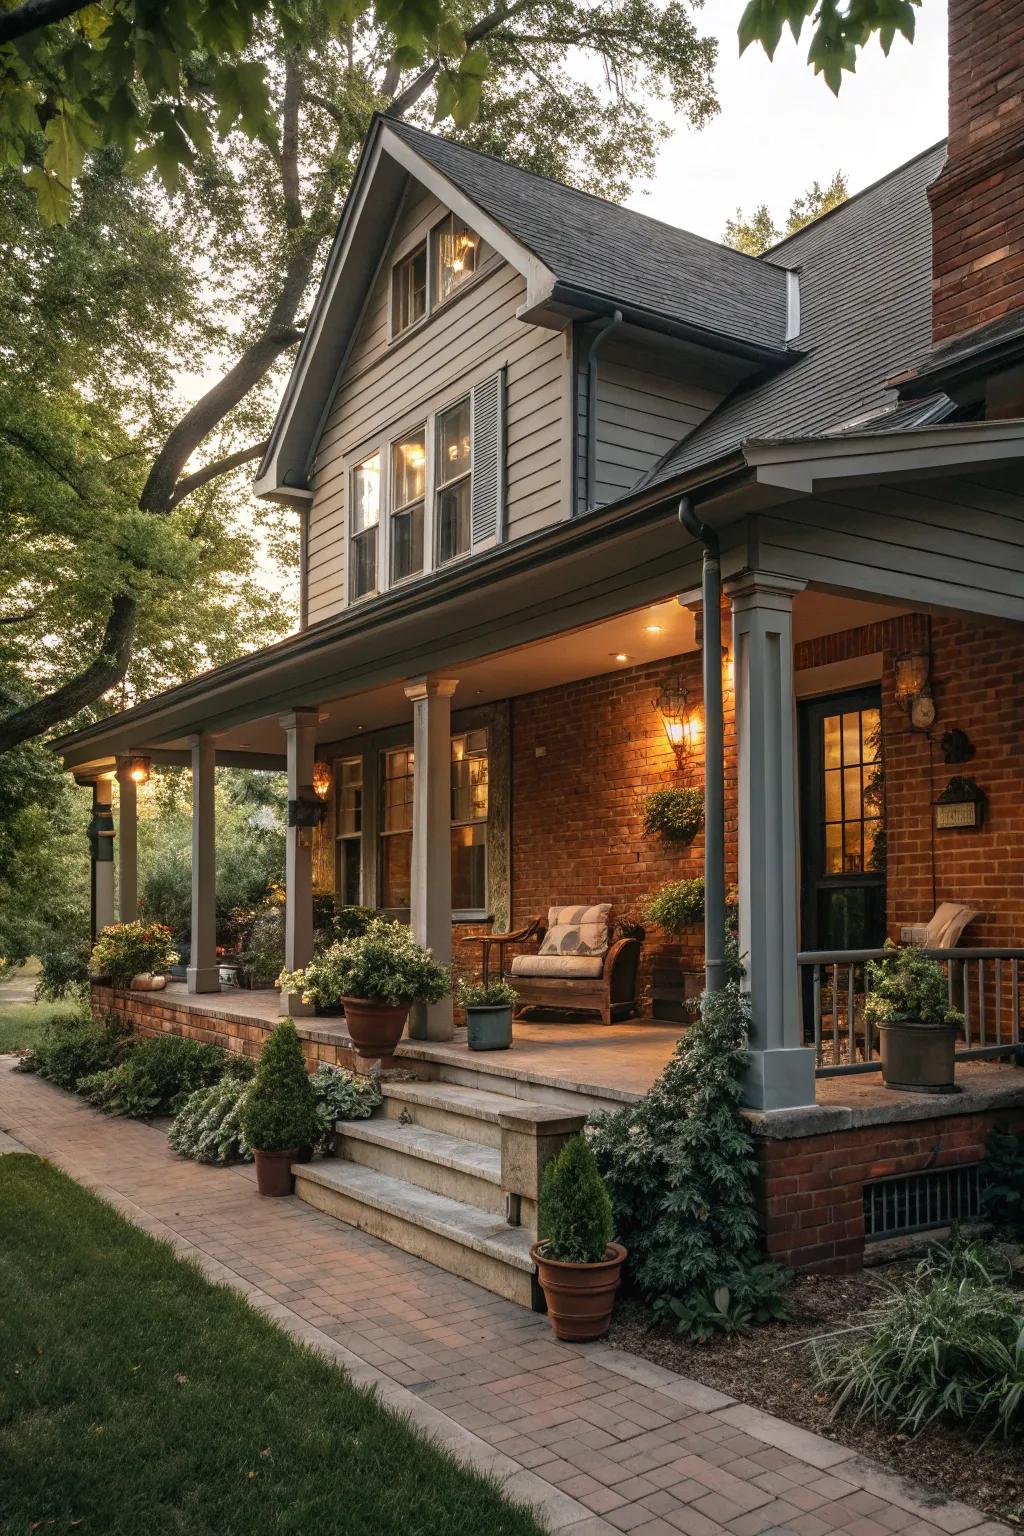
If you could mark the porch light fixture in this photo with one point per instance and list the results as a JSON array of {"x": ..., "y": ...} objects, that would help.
[
  {"x": 681, "y": 722},
  {"x": 913, "y": 688},
  {"x": 138, "y": 769},
  {"x": 323, "y": 778}
]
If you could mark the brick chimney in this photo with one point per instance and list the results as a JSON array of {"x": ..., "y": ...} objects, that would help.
[{"x": 977, "y": 202}]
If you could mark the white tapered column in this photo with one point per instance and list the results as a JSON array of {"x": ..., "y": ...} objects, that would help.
[
  {"x": 431, "y": 895},
  {"x": 127, "y": 844},
  {"x": 300, "y": 734},
  {"x": 781, "y": 1070},
  {"x": 203, "y": 974}
]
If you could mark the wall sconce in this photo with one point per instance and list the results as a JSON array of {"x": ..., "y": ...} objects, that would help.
[
  {"x": 138, "y": 769},
  {"x": 323, "y": 778},
  {"x": 913, "y": 688},
  {"x": 681, "y": 722}
]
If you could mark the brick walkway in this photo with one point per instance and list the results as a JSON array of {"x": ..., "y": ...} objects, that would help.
[{"x": 597, "y": 1440}]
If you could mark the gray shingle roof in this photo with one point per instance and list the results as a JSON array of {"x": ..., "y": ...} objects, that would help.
[
  {"x": 616, "y": 253},
  {"x": 865, "y": 315}
]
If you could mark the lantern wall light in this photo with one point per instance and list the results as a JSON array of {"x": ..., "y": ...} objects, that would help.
[
  {"x": 682, "y": 722},
  {"x": 913, "y": 689},
  {"x": 323, "y": 778},
  {"x": 138, "y": 769}
]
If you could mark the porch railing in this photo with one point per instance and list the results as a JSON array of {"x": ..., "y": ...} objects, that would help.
[{"x": 984, "y": 984}]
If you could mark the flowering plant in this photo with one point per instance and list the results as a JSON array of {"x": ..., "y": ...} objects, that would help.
[
  {"x": 385, "y": 963},
  {"x": 125, "y": 950}
]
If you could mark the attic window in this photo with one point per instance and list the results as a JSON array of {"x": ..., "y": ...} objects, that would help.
[
  {"x": 409, "y": 293},
  {"x": 456, "y": 249}
]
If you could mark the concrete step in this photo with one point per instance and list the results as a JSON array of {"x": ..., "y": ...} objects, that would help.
[
  {"x": 461, "y": 1239},
  {"x": 527, "y": 1088},
  {"x": 463, "y": 1170},
  {"x": 471, "y": 1114}
]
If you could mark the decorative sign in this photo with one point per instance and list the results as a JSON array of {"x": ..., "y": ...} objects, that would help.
[{"x": 961, "y": 804}]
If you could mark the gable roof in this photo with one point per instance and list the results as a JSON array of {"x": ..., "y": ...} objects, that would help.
[
  {"x": 601, "y": 249},
  {"x": 865, "y": 315}
]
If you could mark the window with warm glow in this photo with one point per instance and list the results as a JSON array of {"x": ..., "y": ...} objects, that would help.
[
  {"x": 456, "y": 253},
  {"x": 854, "y": 790},
  {"x": 396, "y": 830},
  {"x": 350, "y": 828},
  {"x": 409, "y": 291},
  {"x": 365, "y": 518},
  {"x": 408, "y": 484},
  {"x": 453, "y": 482},
  {"x": 469, "y": 822}
]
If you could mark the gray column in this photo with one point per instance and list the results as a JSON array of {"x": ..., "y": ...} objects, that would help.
[
  {"x": 101, "y": 848},
  {"x": 300, "y": 734},
  {"x": 781, "y": 1072},
  {"x": 127, "y": 844},
  {"x": 431, "y": 899},
  {"x": 203, "y": 973}
]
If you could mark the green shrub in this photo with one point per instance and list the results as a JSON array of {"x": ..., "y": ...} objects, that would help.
[
  {"x": 677, "y": 905},
  {"x": 907, "y": 985},
  {"x": 165, "y": 894},
  {"x": 341, "y": 1095},
  {"x": 63, "y": 971},
  {"x": 343, "y": 923},
  {"x": 1002, "y": 1196},
  {"x": 74, "y": 1046},
  {"x": 486, "y": 994},
  {"x": 263, "y": 946},
  {"x": 154, "y": 1077},
  {"x": 756, "y": 1295},
  {"x": 384, "y": 963},
  {"x": 125, "y": 950},
  {"x": 208, "y": 1128},
  {"x": 279, "y": 1112},
  {"x": 950, "y": 1349},
  {"x": 574, "y": 1216},
  {"x": 680, "y": 1165},
  {"x": 674, "y": 815}
]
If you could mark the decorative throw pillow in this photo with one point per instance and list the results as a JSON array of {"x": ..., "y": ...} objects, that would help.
[{"x": 577, "y": 930}]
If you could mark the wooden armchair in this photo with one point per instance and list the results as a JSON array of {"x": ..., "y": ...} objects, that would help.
[
  {"x": 535, "y": 929},
  {"x": 577, "y": 968}
]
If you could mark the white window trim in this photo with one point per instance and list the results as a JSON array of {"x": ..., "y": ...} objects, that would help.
[
  {"x": 354, "y": 462},
  {"x": 434, "y": 306},
  {"x": 388, "y": 511},
  {"x": 436, "y": 487}
]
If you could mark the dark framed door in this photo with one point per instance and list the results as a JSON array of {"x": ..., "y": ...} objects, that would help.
[{"x": 842, "y": 821}]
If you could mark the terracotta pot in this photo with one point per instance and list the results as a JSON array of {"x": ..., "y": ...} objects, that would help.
[
  {"x": 375, "y": 1028},
  {"x": 919, "y": 1058},
  {"x": 580, "y": 1297},
  {"x": 274, "y": 1172}
]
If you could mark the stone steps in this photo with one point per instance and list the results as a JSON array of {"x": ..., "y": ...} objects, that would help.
[
  {"x": 468, "y": 1113},
  {"x": 460, "y": 1238},
  {"x": 463, "y": 1170}
]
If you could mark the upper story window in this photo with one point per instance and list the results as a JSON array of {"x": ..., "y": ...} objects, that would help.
[
  {"x": 454, "y": 482},
  {"x": 455, "y": 250},
  {"x": 409, "y": 290},
  {"x": 365, "y": 521},
  {"x": 408, "y": 488}
]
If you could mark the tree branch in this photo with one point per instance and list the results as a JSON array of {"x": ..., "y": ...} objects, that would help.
[
  {"x": 19, "y": 618},
  {"x": 474, "y": 34},
  {"x": 290, "y": 144},
  {"x": 106, "y": 669},
  {"x": 190, "y": 483},
  {"x": 35, "y": 14}
]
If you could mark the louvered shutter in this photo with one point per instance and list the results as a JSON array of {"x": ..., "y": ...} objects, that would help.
[{"x": 487, "y": 509}]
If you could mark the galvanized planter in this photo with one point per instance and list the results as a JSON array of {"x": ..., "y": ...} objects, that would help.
[
  {"x": 919, "y": 1058},
  {"x": 490, "y": 1029}
]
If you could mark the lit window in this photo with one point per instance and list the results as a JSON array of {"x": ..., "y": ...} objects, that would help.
[
  {"x": 453, "y": 479},
  {"x": 350, "y": 827},
  {"x": 408, "y": 483},
  {"x": 409, "y": 292},
  {"x": 469, "y": 822},
  {"x": 396, "y": 832},
  {"x": 854, "y": 791},
  {"x": 456, "y": 252},
  {"x": 365, "y": 518}
]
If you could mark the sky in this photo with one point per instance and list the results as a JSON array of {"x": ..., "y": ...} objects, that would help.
[{"x": 780, "y": 127}]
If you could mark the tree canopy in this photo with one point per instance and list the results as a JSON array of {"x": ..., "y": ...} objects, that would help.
[
  {"x": 758, "y": 233},
  {"x": 839, "y": 29}
]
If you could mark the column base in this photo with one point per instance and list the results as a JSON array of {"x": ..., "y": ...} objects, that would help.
[
  {"x": 781, "y": 1079},
  {"x": 293, "y": 1006},
  {"x": 432, "y": 1021},
  {"x": 203, "y": 978}
]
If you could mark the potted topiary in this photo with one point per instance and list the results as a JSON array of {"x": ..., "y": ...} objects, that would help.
[
  {"x": 377, "y": 976},
  {"x": 488, "y": 1006},
  {"x": 909, "y": 1001},
  {"x": 578, "y": 1265},
  {"x": 134, "y": 955},
  {"x": 278, "y": 1117}
]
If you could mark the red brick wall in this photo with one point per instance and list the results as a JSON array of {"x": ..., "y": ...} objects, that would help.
[
  {"x": 811, "y": 1194},
  {"x": 978, "y": 200}
]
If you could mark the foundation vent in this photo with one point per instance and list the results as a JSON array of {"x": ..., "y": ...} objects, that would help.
[{"x": 914, "y": 1202}]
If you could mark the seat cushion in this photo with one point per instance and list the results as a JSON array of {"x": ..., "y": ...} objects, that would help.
[
  {"x": 577, "y": 930},
  {"x": 564, "y": 967}
]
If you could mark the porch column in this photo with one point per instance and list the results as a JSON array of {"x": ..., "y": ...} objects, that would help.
[
  {"x": 203, "y": 974},
  {"x": 781, "y": 1071},
  {"x": 431, "y": 881},
  {"x": 101, "y": 848},
  {"x": 127, "y": 844},
  {"x": 300, "y": 733}
]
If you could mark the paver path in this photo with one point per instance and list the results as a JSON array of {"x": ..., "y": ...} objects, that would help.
[{"x": 597, "y": 1440}]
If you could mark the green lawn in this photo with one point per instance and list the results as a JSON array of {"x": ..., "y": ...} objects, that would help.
[
  {"x": 136, "y": 1398},
  {"x": 22, "y": 1023}
]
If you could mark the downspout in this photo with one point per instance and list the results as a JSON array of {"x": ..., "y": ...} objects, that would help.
[
  {"x": 602, "y": 333},
  {"x": 714, "y": 747}
]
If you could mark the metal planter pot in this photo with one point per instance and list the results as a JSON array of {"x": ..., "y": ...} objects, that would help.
[
  {"x": 489, "y": 1029},
  {"x": 919, "y": 1058}
]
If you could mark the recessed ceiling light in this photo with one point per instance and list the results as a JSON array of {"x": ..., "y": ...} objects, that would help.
[
  {"x": 654, "y": 629},
  {"x": 618, "y": 655}
]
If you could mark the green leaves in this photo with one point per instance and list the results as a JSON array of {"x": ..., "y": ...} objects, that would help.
[{"x": 840, "y": 31}]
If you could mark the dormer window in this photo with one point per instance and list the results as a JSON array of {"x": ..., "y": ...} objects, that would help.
[
  {"x": 455, "y": 252},
  {"x": 409, "y": 293}
]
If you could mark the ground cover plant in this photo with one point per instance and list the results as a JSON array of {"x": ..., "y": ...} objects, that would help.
[
  {"x": 152, "y": 1402},
  {"x": 341, "y": 1095},
  {"x": 74, "y": 1045},
  {"x": 207, "y": 1127},
  {"x": 153, "y": 1077}
]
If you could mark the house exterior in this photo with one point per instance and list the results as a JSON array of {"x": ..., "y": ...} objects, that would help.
[{"x": 504, "y": 392}]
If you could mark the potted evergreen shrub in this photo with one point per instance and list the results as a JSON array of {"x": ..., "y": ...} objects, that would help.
[
  {"x": 578, "y": 1265},
  {"x": 488, "y": 1006},
  {"x": 377, "y": 976},
  {"x": 909, "y": 1001},
  {"x": 134, "y": 955},
  {"x": 278, "y": 1117}
]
